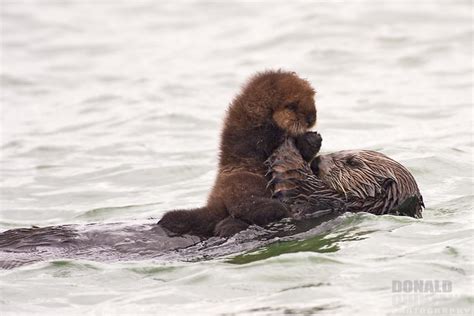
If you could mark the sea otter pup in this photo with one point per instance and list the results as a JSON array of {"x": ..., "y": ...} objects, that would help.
[
  {"x": 272, "y": 106},
  {"x": 350, "y": 180}
]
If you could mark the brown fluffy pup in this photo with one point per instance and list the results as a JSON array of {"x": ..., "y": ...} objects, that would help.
[{"x": 270, "y": 107}]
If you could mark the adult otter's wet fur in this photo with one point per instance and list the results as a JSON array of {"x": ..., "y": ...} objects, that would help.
[
  {"x": 351, "y": 180},
  {"x": 272, "y": 106}
]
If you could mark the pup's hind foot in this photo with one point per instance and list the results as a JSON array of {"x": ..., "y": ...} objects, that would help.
[{"x": 229, "y": 227}]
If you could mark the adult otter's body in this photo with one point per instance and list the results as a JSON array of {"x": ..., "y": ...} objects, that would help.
[
  {"x": 271, "y": 106},
  {"x": 351, "y": 180}
]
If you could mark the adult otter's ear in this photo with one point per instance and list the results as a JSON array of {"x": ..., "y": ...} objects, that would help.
[{"x": 309, "y": 145}]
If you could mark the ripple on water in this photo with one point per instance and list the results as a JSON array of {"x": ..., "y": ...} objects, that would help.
[{"x": 106, "y": 213}]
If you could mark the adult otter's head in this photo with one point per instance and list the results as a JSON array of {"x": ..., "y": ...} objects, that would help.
[
  {"x": 364, "y": 174},
  {"x": 280, "y": 97},
  {"x": 364, "y": 180}
]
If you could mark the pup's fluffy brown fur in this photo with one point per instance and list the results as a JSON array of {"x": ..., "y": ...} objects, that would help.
[{"x": 272, "y": 106}]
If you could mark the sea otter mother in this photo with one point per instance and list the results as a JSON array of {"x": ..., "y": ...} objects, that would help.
[
  {"x": 345, "y": 181},
  {"x": 272, "y": 106}
]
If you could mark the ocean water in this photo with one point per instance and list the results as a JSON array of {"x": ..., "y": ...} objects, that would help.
[{"x": 111, "y": 112}]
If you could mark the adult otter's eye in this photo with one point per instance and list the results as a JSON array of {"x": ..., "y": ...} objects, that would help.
[
  {"x": 293, "y": 106},
  {"x": 351, "y": 161}
]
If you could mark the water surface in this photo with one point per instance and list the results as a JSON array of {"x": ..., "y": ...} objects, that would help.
[{"x": 111, "y": 111}]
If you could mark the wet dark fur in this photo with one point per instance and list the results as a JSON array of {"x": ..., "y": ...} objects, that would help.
[{"x": 271, "y": 106}]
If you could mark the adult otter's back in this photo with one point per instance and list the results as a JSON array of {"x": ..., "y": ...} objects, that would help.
[
  {"x": 350, "y": 180},
  {"x": 272, "y": 106}
]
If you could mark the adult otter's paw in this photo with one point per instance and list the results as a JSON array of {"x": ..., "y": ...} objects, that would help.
[
  {"x": 229, "y": 227},
  {"x": 317, "y": 206},
  {"x": 309, "y": 144}
]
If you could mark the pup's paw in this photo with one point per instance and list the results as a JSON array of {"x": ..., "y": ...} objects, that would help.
[{"x": 309, "y": 144}]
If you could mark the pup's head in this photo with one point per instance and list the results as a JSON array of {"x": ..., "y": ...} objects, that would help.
[{"x": 285, "y": 97}]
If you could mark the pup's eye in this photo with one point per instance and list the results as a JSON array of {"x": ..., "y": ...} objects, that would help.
[{"x": 293, "y": 106}]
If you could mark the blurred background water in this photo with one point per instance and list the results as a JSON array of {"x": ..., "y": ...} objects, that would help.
[{"x": 111, "y": 111}]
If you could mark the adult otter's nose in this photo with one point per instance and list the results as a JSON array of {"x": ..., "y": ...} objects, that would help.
[
  {"x": 310, "y": 119},
  {"x": 315, "y": 165},
  {"x": 324, "y": 164}
]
